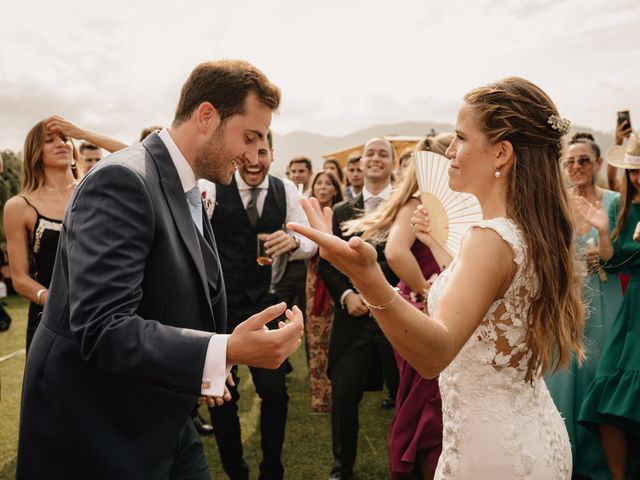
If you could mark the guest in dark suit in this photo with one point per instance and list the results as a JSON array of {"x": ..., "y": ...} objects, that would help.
[
  {"x": 254, "y": 203},
  {"x": 358, "y": 350},
  {"x": 355, "y": 179},
  {"x": 125, "y": 347}
]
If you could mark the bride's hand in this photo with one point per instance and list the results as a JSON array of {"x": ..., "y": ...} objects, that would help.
[
  {"x": 636, "y": 234},
  {"x": 356, "y": 258},
  {"x": 420, "y": 222}
]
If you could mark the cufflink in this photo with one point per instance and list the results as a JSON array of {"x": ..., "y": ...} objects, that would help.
[{"x": 205, "y": 384}]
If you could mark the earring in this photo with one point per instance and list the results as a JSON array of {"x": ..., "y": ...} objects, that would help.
[{"x": 497, "y": 173}]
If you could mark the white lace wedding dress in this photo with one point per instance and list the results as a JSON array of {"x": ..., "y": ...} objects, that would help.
[{"x": 497, "y": 425}]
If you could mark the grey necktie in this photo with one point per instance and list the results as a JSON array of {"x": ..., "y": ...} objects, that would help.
[
  {"x": 252, "y": 207},
  {"x": 194, "y": 200},
  {"x": 373, "y": 203}
]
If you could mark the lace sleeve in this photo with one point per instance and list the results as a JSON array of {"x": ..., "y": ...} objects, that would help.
[{"x": 503, "y": 331}]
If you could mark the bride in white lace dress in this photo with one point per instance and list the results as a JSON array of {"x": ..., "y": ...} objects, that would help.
[
  {"x": 508, "y": 308},
  {"x": 495, "y": 421}
]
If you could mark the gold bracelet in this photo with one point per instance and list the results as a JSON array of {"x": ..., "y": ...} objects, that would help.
[{"x": 384, "y": 306}]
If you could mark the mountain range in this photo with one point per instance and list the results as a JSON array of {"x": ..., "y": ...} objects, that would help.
[{"x": 314, "y": 145}]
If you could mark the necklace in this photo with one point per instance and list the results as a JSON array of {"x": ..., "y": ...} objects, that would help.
[{"x": 60, "y": 190}]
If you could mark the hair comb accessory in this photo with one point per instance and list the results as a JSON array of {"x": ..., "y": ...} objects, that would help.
[{"x": 559, "y": 124}]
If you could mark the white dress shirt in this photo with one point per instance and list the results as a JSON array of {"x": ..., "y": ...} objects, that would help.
[
  {"x": 294, "y": 212},
  {"x": 215, "y": 369},
  {"x": 384, "y": 195}
]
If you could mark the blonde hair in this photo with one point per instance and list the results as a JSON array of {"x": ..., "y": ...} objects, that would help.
[
  {"x": 517, "y": 111},
  {"x": 32, "y": 167},
  {"x": 375, "y": 225}
]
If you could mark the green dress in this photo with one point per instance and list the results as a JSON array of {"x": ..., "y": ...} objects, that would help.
[
  {"x": 567, "y": 387},
  {"x": 613, "y": 398}
]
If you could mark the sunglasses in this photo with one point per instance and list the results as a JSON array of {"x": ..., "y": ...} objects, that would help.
[{"x": 582, "y": 160}]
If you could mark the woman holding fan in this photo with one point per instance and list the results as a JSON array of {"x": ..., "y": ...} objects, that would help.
[{"x": 510, "y": 298}]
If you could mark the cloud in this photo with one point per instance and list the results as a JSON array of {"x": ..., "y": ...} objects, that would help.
[{"x": 342, "y": 66}]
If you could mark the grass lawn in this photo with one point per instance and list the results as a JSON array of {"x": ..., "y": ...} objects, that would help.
[{"x": 307, "y": 448}]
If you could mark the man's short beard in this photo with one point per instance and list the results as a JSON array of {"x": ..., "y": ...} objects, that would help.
[{"x": 210, "y": 162}]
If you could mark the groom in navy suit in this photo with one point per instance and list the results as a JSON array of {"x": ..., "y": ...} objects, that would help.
[{"x": 126, "y": 344}]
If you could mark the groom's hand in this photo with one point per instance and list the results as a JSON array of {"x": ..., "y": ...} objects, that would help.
[{"x": 253, "y": 344}]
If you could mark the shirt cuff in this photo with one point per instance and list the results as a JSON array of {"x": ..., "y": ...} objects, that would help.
[
  {"x": 215, "y": 369},
  {"x": 344, "y": 295}
]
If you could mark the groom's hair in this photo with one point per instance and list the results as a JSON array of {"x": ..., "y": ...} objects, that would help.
[{"x": 225, "y": 84}]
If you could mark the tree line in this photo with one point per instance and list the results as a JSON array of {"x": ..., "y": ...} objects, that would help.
[{"x": 10, "y": 181}]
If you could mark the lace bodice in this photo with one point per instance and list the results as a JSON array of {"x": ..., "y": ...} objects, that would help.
[{"x": 484, "y": 392}]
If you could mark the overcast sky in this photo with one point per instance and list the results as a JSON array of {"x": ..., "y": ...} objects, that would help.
[{"x": 117, "y": 66}]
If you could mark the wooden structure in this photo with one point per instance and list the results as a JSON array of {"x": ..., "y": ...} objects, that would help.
[{"x": 401, "y": 145}]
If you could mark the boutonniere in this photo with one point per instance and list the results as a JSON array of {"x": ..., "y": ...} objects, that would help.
[{"x": 206, "y": 202}]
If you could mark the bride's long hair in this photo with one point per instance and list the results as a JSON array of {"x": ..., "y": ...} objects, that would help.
[{"x": 518, "y": 111}]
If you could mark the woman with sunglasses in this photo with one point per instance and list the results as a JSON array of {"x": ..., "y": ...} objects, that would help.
[
  {"x": 611, "y": 402},
  {"x": 603, "y": 296}
]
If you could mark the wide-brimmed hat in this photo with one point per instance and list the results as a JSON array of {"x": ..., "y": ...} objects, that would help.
[{"x": 625, "y": 157}]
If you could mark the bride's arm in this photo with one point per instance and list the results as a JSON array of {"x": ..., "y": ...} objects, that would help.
[{"x": 483, "y": 271}]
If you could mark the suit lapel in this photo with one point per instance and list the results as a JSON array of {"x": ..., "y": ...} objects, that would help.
[
  {"x": 177, "y": 202},
  {"x": 352, "y": 209},
  {"x": 358, "y": 202},
  {"x": 210, "y": 252}
]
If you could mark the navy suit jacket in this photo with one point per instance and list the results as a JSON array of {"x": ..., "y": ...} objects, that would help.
[{"x": 115, "y": 366}]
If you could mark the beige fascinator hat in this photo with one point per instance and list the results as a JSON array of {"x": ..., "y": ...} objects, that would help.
[{"x": 625, "y": 157}]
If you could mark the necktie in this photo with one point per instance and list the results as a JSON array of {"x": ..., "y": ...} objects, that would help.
[
  {"x": 194, "y": 200},
  {"x": 373, "y": 203},
  {"x": 252, "y": 207}
]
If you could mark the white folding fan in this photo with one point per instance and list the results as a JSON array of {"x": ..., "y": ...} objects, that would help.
[{"x": 450, "y": 213}]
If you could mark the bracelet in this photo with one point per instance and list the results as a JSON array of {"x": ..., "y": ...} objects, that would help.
[
  {"x": 39, "y": 295},
  {"x": 384, "y": 306}
]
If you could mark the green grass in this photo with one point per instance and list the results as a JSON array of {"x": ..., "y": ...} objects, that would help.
[
  {"x": 11, "y": 371},
  {"x": 307, "y": 448}
]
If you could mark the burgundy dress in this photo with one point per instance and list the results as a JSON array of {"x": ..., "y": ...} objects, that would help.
[{"x": 417, "y": 424}]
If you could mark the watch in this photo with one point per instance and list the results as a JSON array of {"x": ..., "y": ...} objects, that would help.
[{"x": 297, "y": 240}]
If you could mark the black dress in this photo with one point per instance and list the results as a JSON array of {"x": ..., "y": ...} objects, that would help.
[{"x": 42, "y": 252}]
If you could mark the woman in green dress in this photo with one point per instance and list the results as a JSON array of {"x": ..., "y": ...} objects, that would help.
[
  {"x": 603, "y": 296},
  {"x": 611, "y": 405}
]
